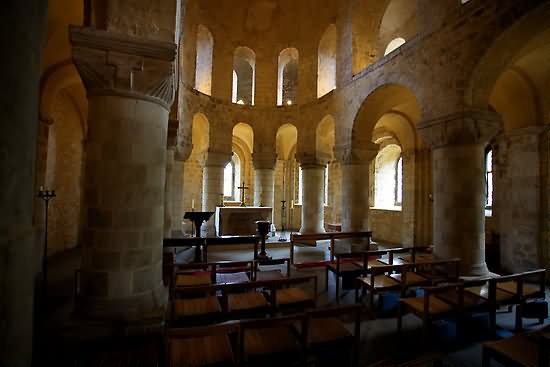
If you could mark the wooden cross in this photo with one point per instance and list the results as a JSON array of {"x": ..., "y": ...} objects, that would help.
[{"x": 242, "y": 188}]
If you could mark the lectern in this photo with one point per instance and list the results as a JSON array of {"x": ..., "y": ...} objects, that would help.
[{"x": 198, "y": 218}]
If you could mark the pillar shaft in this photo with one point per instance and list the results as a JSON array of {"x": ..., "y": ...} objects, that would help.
[
  {"x": 264, "y": 187},
  {"x": 355, "y": 184},
  {"x": 458, "y": 142},
  {"x": 313, "y": 211},
  {"x": 125, "y": 172},
  {"x": 23, "y": 26},
  {"x": 355, "y": 197},
  {"x": 173, "y": 208},
  {"x": 212, "y": 186}
]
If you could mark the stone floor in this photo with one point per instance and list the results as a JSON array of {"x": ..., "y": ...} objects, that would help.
[{"x": 379, "y": 337}]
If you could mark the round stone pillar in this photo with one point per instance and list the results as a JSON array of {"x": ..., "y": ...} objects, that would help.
[
  {"x": 458, "y": 142},
  {"x": 313, "y": 191},
  {"x": 129, "y": 83},
  {"x": 212, "y": 186},
  {"x": 264, "y": 182},
  {"x": 355, "y": 186}
]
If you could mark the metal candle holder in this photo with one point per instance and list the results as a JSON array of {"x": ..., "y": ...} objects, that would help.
[
  {"x": 282, "y": 236},
  {"x": 46, "y": 196}
]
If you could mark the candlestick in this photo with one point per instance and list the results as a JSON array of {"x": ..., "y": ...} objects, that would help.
[{"x": 193, "y": 204}]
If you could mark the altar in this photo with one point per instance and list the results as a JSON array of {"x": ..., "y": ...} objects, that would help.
[{"x": 239, "y": 220}]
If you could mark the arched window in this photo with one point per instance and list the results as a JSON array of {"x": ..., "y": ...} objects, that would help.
[
  {"x": 326, "y": 68},
  {"x": 244, "y": 76},
  {"x": 386, "y": 177},
  {"x": 399, "y": 182},
  {"x": 489, "y": 178},
  {"x": 394, "y": 44},
  {"x": 231, "y": 179},
  {"x": 203, "y": 67},
  {"x": 287, "y": 86}
]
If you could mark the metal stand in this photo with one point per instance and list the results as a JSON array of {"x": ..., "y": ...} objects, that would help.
[
  {"x": 263, "y": 229},
  {"x": 282, "y": 236},
  {"x": 46, "y": 196}
]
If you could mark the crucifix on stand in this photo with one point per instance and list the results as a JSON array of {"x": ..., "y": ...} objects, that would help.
[{"x": 242, "y": 188}]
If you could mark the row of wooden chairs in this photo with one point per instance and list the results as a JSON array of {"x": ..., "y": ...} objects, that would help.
[
  {"x": 354, "y": 264},
  {"x": 191, "y": 305},
  {"x": 298, "y": 339},
  {"x": 485, "y": 295},
  {"x": 195, "y": 274}
]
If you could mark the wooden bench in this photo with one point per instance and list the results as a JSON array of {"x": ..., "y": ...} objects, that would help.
[{"x": 310, "y": 239}]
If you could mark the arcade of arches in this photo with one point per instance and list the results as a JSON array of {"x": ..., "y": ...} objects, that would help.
[{"x": 423, "y": 121}]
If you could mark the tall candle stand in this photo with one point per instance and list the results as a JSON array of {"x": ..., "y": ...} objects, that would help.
[
  {"x": 46, "y": 196},
  {"x": 282, "y": 236}
]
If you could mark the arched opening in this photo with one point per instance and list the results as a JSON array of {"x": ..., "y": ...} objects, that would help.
[
  {"x": 387, "y": 177},
  {"x": 398, "y": 25},
  {"x": 203, "y": 66},
  {"x": 324, "y": 148},
  {"x": 326, "y": 69},
  {"x": 394, "y": 44},
  {"x": 242, "y": 147},
  {"x": 287, "y": 175},
  {"x": 287, "y": 77},
  {"x": 231, "y": 179},
  {"x": 488, "y": 178},
  {"x": 244, "y": 75}
]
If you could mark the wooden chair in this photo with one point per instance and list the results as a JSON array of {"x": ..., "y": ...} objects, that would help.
[
  {"x": 195, "y": 306},
  {"x": 528, "y": 350},
  {"x": 192, "y": 275},
  {"x": 271, "y": 273},
  {"x": 310, "y": 239},
  {"x": 380, "y": 280},
  {"x": 245, "y": 300},
  {"x": 274, "y": 342},
  {"x": 287, "y": 296},
  {"x": 429, "y": 307},
  {"x": 202, "y": 346},
  {"x": 430, "y": 273},
  {"x": 233, "y": 271},
  {"x": 327, "y": 335},
  {"x": 351, "y": 265}
]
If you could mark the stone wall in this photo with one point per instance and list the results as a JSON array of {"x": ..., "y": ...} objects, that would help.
[{"x": 386, "y": 225}]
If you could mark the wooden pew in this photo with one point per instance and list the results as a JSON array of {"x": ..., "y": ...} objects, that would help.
[{"x": 310, "y": 239}]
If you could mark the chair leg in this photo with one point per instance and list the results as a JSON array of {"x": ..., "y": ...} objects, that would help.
[
  {"x": 337, "y": 279},
  {"x": 371, "y": 300},
  {"x": 519, "y": 317}
]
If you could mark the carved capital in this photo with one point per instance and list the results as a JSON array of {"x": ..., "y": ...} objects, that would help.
[
  {"x": 466, "y": 127},
  {"x": 308, "y": 160},
  {"x": 362, "y": 154},
  {"x": 216, "y": 159},
  {"x": 117, "y": 64},
  {"x": 264, "y": 160}
]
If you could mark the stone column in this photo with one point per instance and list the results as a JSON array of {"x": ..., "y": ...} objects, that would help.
[
  {"x": 517, "y": 203},
  {"x": 355, "y": 185},
  {"x": 23, "y": 28},
  {"x": 313, "y": 208},
  {"x": 177, "y": 153},
  {"x": 212, "y": 185},
  {"x": 130, "y": 87},
  {"x": 264, "y": 182},
  {"x": 458, "y": 142}
]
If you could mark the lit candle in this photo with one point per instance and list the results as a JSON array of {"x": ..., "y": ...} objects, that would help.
[
  {"x": 41, "y": 188},
  {"x": 192, "y": 203},
  {"x": 291, "y": 204}
]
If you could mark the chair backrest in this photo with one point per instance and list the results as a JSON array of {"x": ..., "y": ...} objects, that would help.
[{"x": 271, "y": 262}]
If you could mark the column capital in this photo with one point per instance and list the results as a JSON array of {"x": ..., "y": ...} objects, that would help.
[
  {"x": 309, "y": 161},
  {"x": 264, "y": 160},
  {"x": 348, "y": 154},
  {"x": 216, "y": 159},
  {"x": 461, "y": 128},
  {"x": 117, "y": 64}
]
